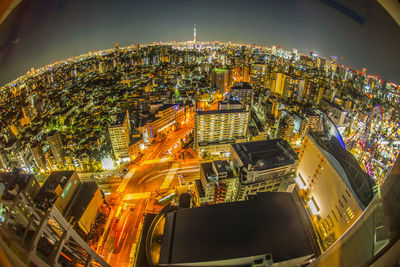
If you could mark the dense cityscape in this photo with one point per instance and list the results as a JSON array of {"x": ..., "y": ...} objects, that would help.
[{"x": 118, "y": 157}]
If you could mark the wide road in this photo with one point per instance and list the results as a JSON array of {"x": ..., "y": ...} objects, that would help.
[
  {"x": 159, "y": 150},
  {"x": 136, "y": 196}
]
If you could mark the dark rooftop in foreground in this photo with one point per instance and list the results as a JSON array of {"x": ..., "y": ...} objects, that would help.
[
  {"x": 269, "y": 224},
  {"x": 265, "y": 154}
]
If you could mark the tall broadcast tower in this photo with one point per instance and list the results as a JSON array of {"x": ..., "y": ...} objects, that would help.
[{"x": 194, "y": 34}]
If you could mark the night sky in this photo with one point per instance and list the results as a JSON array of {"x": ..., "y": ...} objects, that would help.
[{"x": 40, "y": 32}]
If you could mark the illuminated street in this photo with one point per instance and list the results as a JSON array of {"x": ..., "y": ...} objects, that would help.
[
  {"x": 204, "y": 133},
  {"x": 136, "y": 195}
]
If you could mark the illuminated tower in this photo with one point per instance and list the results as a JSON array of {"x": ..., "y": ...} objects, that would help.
[{"x": 194, "y": 34}]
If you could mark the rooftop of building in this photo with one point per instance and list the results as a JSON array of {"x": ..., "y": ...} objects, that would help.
[
  {"x": 219, "y": 142},
  {"x": 118, "y": 119},
  {"x": 211, "y": 112},
  {"x": 85, "y": 194},
  {"x": 47, "y": 195},
  {"x": 14, "y": 182},
  {"x": 265, "y": 154},
  {"x": 57, "y": 178},
  {"x": 332, "y": 104},
  {"x": 270, "y": 223},
  {"x": 165, "y": 106},
  {"x": 230, "y": 101},
  {"x": 213, "y": 169},
  {"x": 241, "y": 85},
  {"x": 310, "y": 112},
  {"x": 51, "y": 133}
]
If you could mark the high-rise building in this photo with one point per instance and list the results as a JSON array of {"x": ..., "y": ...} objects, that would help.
[
  {"x": 221, "y": 79},
  {"x": 278, "y": 83},
  {"x": 262, "y": 166},
  {"x": 59, "y": 190},
  {"x": 56, "y": 147},
  {"x": 166, "y": 119},
  {"x": 373, "y": 239},
  {"x": 286, "y": 128},
  {"x": 258, "y": 75},
  {"x": 119, "y": 135},
  {"x": 313, "y": 121},
  {"x": 219, "y": 182},
  {"x": 82, "y": 213},
  {"x": 287, "y": 90},
  {"x": 37, "y": 153},
  {"x": 243, "y": 92},
  {"x": 300, "y": 90},
  {"x": 3, "y": 162},
  {"x": 215, "y": 130},
  {"x": 229, "y": 104},
  {"x": 335, "y": 112},
  {"x": 303, "y": 123},
  {"x": 334, "y": 186}
]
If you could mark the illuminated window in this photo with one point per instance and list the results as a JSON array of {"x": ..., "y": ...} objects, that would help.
[
  {"x": 350, "y": 213},
  {"x": 313, "y": 206},
  {"x": 300, "y": 181}
]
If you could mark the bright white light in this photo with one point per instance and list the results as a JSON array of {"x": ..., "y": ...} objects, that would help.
[
  {"x": 300, "y": 182},
  {"x": 107, "y": 163},
  {"x": 313, "y": 206},
  {"x": 126, "y": 160},
  {"x": 142, "y": 146}
]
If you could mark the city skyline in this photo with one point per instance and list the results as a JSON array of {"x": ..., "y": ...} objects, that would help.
[
  {"x": 199, "y": 153},
  {"x": 111, "y": 144},
  {"x": 34, "y": 39}
]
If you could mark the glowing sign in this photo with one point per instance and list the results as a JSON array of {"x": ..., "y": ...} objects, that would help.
[{"x": 65, "y": 192}]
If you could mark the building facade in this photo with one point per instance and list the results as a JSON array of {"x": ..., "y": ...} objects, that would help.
[
  {"x": 333, "y": 185},
  {"x": 243, "y": 92},
  {"x": 119, "y": 135},
  {"x": 215, "y": 130},
  {"x": 219, "y": 182},
  {"x": 221, "y": 78},
  {"x": 56, "y": 147},
  {"x": 167, "y": 118},
  {"x": 37, "y": 153},
  {"x": 58, "y": 190}
]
